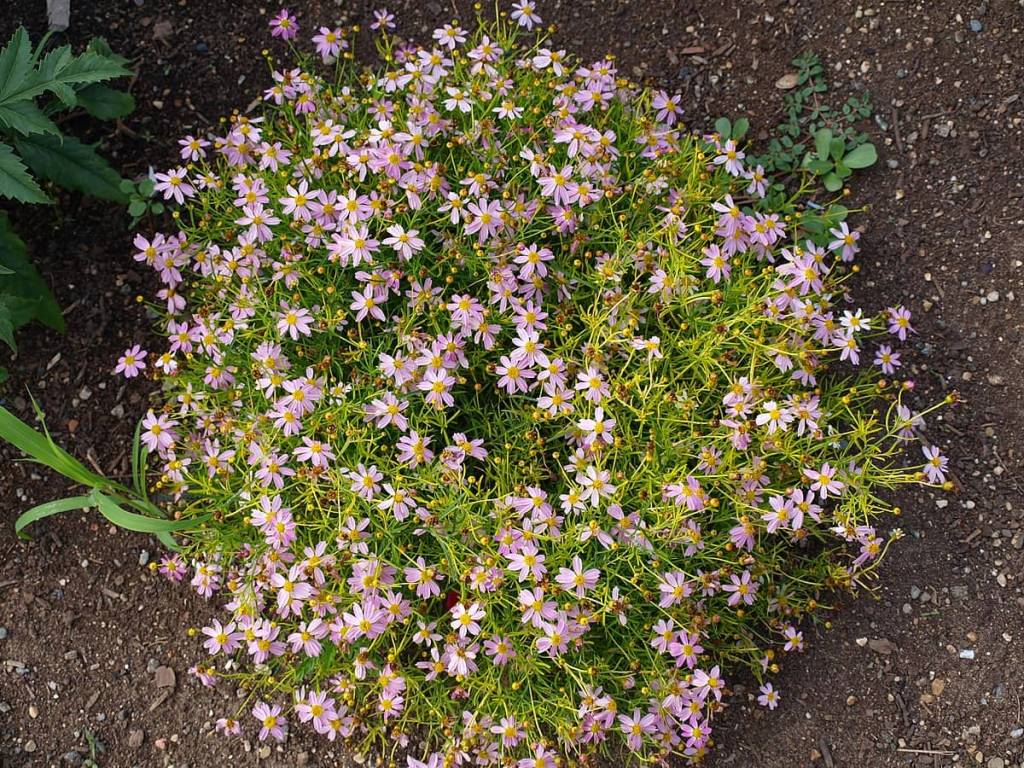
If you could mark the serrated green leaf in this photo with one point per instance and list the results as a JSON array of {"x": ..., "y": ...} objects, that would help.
[
  {"x": 100, "y": 46},
  {"x": 861, "y": 157},
  {"x": 15, "y": 181},
  {"x": 38, "y": 80},
  {"x": 59, "y": 72},
  {"x": 26, "y": 118},
  {"x": 90, "y": 67},
  {"x": 48, "y": 509},
  {"x": 73, "y": 165},
  {"x": 15, "y": 61},
  {"x": 104, "y": 102}
]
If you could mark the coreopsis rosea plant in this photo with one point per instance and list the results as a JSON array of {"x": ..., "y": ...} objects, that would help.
[{"x": 508, "y": 411}]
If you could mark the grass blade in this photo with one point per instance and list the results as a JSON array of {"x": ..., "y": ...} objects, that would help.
[
  {"x": 50, "y": 508},
  {"x": 130, "y": 521}
]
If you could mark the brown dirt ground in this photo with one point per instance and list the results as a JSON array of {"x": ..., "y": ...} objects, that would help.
[{"x": 85, "y": 626}]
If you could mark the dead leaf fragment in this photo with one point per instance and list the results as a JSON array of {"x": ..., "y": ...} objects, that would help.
[
  {"x": 163, "y": 30},
  {"x": 881, "y": 645},
  {"x": 164, "y": 677},
  {"x": 787, "y": 82}
]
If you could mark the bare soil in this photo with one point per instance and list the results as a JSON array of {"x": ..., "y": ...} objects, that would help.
[{"x": 928, "y": 670}]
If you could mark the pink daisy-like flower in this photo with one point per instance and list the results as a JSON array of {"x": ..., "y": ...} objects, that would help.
[
  {"x": 284, "y": 25},
  {"x": 273, "y": 725},
  {"x": 131, "y": 363}
]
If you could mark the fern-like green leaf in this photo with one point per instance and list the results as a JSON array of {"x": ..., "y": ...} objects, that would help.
[
  {"x": 15, "y": 62},
  {"x": 15, "y": 181},
  {"x": 26, "y": 118},
  {"x": 73, "y": 165}
]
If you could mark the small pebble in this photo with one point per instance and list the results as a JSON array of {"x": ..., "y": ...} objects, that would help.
[
  {"x": 976, "y": 26},
  {"x": 967, "y": 653}
]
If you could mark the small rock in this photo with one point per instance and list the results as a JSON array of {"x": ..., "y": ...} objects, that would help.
[
  {"x": 84, "y": 394},
  {"x": 160, "y": 744},
  {"x": 144, "y": 557},
  {"x": 30, "y": 746},
  {"x": 33, "y": 711},
  {"x": 915, "y": 592},
  {"x": 967, "y": 653},
  {"x": 788, "y": 81},
  {"x": 135, "y": 738},
  {"x": 1017, "y": 733},
  {"x": 202, "y": 47},
  {"x": 938, "y": 686},
  {"x": 977, "y": 26},
  {"x": 164, "y": 677},
  {"x": 3, "y": 633},
  {"x": 861, "y": 641},
  {"x": 996, "y": 762},
  {"x": 72, "y": 758},
  {"x": 851, "y": 700}
]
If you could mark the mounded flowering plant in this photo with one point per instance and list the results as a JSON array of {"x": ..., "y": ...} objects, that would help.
[{"x": 502, "y": 410}]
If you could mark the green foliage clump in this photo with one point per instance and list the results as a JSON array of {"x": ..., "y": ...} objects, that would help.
[{"x": 35, "y": 86}]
